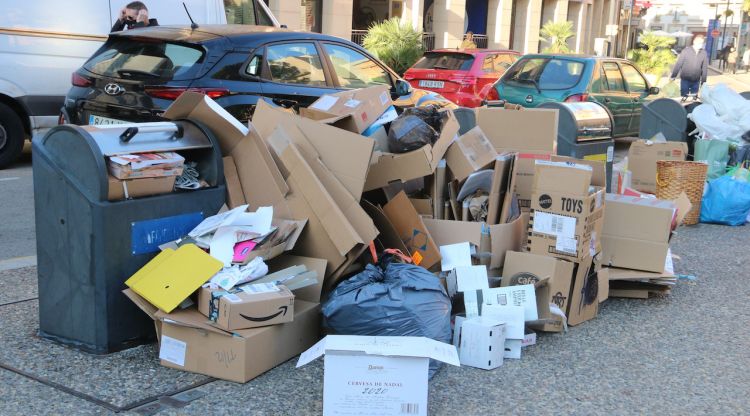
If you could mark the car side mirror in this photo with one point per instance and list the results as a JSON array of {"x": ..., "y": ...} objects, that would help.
[
  {"x": 653, "y": 91},
  {"x": 403, "y": 88}
]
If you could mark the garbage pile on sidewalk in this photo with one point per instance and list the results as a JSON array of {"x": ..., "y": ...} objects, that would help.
[{"x": 404, "y": 237}]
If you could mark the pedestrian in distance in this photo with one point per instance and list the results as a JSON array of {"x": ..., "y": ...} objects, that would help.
[
  {"x": 732, "y": 59},
  {"x": 746, "y": 58},
  {"x": 692, "y": 67},
  {"x": 133, "y": 15},
  {"x": 468, "y": 42}
]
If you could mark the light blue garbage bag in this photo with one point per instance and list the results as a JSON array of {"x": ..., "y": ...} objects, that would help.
[{"x": 727, "y": 201}]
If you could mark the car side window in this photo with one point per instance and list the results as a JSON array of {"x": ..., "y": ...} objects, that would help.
[
  {"x": 488, "y": 65},
  {"x": 295, "y": 63},
  {"x": 614, "y": 81},
  {"x": 633, "y": 78},
  {"x": 503, "y": 61},
  {"x": 355, "y": 70},
  {"x": 255, "y": 65}
]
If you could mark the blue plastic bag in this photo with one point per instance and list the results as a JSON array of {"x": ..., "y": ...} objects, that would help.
[{"x": 727, "y": 201}]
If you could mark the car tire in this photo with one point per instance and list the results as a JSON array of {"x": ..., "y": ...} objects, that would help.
[{"x": 11, "y": 136}]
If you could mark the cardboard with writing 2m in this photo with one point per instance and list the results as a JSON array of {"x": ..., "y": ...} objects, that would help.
[
  {"x": 480, "y": 341},
  {"x": 503, "y": 237},
  {"x": 528, "y": 130},
  {"x": 391, "y": 167},
  {"x": 354, "y": 110},
  {"x": 259, "y": 178},
  {"x": 469, "y": 153},
  {"x": 244, "y": 309},
  {"x": 365, "y": 375},
  {"x": 526, "y": 268},
  {"x": 412, "y": 230},
  {"x": 642, "y": 157},
  {"x": 636, "y": 232}
]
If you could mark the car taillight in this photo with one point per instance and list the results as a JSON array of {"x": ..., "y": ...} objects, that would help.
[
  {"x": 79, "y": 80},
  {"x": 61, "y": 119},
  {"x": 577, "y": 98},
  {"x": 492, "y": 95},
  {"x": 172, "y": 93}
]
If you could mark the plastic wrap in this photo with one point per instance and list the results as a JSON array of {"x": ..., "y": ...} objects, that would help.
[
  {"x": 727, "y": 201},
  {"x": 409, "y": 132}
]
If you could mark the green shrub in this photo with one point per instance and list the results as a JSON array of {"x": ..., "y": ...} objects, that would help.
[
  {"x": 556, "y": 34},
  {"x": 657, "y": 58},
  {"x": 395, "y": 43}
]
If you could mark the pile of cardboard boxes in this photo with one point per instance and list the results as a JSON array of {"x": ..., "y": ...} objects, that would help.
[{"x": 523, "y": 239}]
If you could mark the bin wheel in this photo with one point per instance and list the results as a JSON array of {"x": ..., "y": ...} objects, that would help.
[{"x": 11, "y": 136}]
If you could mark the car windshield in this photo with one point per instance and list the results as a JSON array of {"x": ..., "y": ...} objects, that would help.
[
  {"x": 445, "y": 60},
  {"x": 130, "y": 58},
  {"x": 545, "y": 73}
]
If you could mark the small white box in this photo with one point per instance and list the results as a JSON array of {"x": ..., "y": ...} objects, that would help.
[
  {"x": 366, "y": 375},
  {"x": 480, "y": 341}
]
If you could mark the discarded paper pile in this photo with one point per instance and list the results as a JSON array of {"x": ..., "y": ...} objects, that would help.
[{"x": 489, "y": 233}]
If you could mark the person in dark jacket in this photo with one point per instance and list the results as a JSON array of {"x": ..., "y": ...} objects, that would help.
[
  {"x": 132, "y": 16},
  {"x": 692, "y": 67}
]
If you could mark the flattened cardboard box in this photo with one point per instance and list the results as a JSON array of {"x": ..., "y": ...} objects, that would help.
[
  {"x": 243, "y": 310},
  {"x": 141, "y": 187},
  {"x": 642, "y": 158},
  {"x": 412, "y": 231},
  {"x": 392, "y": 167},
  {"x": 354, "y": 110},
  {"x": 526, "y": 268},
  {"x": 528, "y": 130},
  {"x": 469, "y": 153}
]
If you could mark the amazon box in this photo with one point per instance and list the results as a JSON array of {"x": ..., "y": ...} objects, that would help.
[
  {"x": 247, "y": 306},
  {"x": 394, "y": 167},
  {"x": 353, "y": 110},
  {"x": 642, "y": 158}
]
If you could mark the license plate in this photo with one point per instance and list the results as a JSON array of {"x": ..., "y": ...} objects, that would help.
[
  {"x": 104, "y": 121},
  {"x": 431, "y": 84}
]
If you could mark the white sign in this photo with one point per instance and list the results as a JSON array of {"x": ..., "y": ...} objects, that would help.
[{"x": 172, "y": 350}]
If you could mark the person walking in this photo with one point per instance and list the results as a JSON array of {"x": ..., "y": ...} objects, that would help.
[
  {"x": 133, "y": 15},
  {"x": 692, "y": 67},
  {"x": 732, "y": 59},
  {"x": 746, "y": 58}
]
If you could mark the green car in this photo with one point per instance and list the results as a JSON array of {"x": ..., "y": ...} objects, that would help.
[{"x": 615, "y": 83}]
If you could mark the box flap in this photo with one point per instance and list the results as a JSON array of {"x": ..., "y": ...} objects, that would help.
[
  {"x": 189, "y": 318},
  {"x": 598, "y": 168},
  {"x": 562, "y": 177},
  {"x": 531, "y": 130},
  {"x": 469, "y": 153},
  {"x": 235, "y": 196},
  {"x": 141, "y": 303},
  {"x": 388, "y": 236},
  {"x": 311, "y": 293},
  {"x": 412, "y": 231},
  {"x": 386, "y": 346}
]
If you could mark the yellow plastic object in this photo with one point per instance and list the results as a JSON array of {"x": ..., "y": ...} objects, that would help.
[{"x": 173, "y": 275}]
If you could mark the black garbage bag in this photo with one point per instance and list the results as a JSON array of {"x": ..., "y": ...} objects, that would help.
[
  {"x": 409, "y": 132},
  {"x": 391, "y": 299},
  {"x": 429, "y": 114}
]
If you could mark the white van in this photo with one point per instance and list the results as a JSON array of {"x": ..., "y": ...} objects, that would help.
[{"x": 42, "y": 42}]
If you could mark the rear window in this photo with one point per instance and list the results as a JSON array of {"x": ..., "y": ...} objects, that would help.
[
  {"x": 131, "y": 58},
  {"x": 445, "y": 60},
  {"x": 546, "y": 73}
]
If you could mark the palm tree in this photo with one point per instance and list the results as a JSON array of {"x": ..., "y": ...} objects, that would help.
[
  {"x": 556, "y": 34},
  {"x": 746, "y": 6}
]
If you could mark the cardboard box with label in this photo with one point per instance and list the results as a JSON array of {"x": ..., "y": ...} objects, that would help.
[
  {"x": 469, "y": 153},
  {"x": 189, "y": 342},
  {"x": 372, "y": 376},
  {"x": 354, "y": 110},
  {"x": 394, "y": 167},
  {"x": 642, "y": 158},
  {"x": 247, "y": 306},
  {"x": 480, "y": 341},
  {"x": 120, "y": 189},
  {"x": 566, "y": 212},
  {"x": 636, "y": 232}
]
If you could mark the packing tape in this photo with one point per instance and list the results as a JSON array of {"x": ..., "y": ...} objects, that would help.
[
  {"x": 125, "y": 189},
  {"x": 555, "y": 310}
]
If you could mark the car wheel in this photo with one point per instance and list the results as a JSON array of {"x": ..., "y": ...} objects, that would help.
[{"x": 11, "y": 136}]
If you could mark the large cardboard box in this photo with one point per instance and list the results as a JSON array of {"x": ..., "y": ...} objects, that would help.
[
  {"x": 412, "y": 231},
  {"x": 372, "y": 376},
  {"x": 642, "y": 158},
  {"x": 557, "y": 279},
  {"x": 135, "y": 188},
  {"x": 245, "y": 308},
  {"x": 503, "y": 237},
  {"x": 524, "y": 168},
  {"x": 392, "y": 167},
  {"x": 354, "y": 110},
  {"x": 636, "y": 232},
  {"x": 469, "y": 153},
  {"x": 526, "y": 130}
]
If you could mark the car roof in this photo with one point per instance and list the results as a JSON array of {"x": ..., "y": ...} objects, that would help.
[
  {"x": 241, "y": 35},
  {"x": 475, "y": 51},
  {"x": 576, "y": 56}
]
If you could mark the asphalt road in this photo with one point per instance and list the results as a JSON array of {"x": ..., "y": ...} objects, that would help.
[{"x": 17, "y": 232}]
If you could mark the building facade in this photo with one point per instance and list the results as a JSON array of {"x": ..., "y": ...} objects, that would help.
[{"x": 505, "y": 24}]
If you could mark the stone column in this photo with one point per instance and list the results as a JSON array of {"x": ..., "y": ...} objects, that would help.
[
  {"x": 448, "y": 22},
  {"x": 526, "y": 27},
  {"x": 499, "y": 15},
  {"x": 337, "y": 18},
  {"x": 414, "y": 13},
  {"x": 287, "y": 12},
  {"x": 554, "y": 10}
]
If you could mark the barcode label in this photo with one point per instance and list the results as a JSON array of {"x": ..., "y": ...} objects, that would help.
[
  {"x": 553, "y": 224},
  {"x": 260, "y": 288},
  {"x": 409, "y": 408},
  {"x": 557, "y": 226}
]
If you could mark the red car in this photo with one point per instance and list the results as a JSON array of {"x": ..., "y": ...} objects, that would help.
[{"x": 464, "y": 76}]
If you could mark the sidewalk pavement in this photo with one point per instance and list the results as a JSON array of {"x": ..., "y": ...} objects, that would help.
[{"x": 686, "y": 353}]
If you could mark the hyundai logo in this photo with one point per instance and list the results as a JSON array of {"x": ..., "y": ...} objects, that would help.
[{"x": 113, "y": 89}]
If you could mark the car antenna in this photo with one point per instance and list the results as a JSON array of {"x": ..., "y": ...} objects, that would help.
[{"x": 193, "y": 25}]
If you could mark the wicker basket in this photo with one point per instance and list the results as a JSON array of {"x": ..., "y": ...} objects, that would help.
[{"x": 674, "y": 177}]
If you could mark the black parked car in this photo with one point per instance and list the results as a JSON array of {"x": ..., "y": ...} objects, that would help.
[{"x": 137, "y": 74}]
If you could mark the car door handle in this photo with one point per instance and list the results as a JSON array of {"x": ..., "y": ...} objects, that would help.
[{"x": 607, "y": 100}]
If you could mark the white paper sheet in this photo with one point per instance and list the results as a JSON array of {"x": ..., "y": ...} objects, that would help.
[
  {"x": 212, "y": 223},
  {"x": 455, "y": 255},
  {"x": 513, "y": 316},
  {"x": 471, "y": 278},
  {"x": 172, "y": 350},
  {"x": 523, "y": 295},
  {"x": 553, "y": 224},
  {"x": 324, "y": 103}
]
